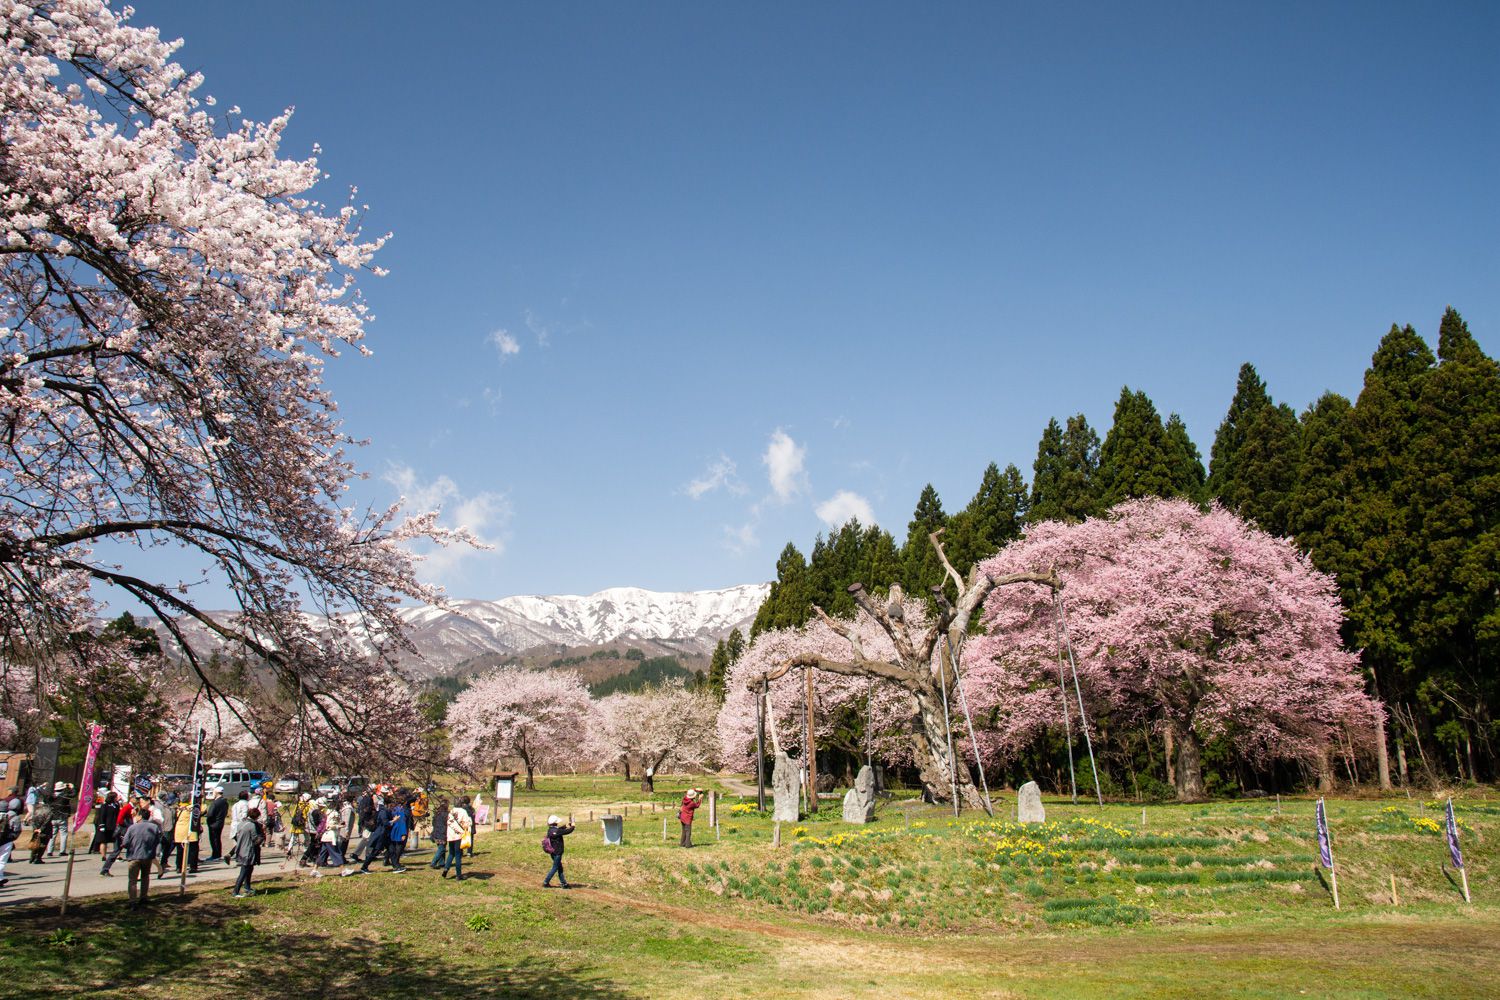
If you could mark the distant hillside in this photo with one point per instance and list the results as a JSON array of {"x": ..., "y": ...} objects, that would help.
[{"x": 645, "y": 674}]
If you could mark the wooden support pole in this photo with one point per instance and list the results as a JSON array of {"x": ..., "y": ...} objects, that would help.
[
  {"x": 1463, "y": 873},
  {"x": 68, "y": 881},
  {"x": 1395, "y": 899},
  {"x": 664, "y": 828},
  {"x": 1334, "y": 875},
  {"x": 812, "y": 750},
  {"x": 775, "y": 834}
]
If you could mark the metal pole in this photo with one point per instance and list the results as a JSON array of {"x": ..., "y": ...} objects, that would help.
[
  {"x": 1062, "y": 684},
  {"x": 948, "y": 726},
  {"x": 760, "y": 746},
  {"x": 1083, "y": 720},
  {"x": 963, "y": 700}
]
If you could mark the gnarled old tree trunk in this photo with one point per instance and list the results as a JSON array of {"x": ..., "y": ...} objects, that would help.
[{"x": 918, "y": 669}]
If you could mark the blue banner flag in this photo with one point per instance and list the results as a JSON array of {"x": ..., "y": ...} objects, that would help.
[
  {"x": 1325, "y": 847},
  {"x": 1453, "y": 848}
]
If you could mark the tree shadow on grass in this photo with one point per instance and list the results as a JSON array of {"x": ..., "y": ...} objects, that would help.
[{"x": 101, "y": 947}]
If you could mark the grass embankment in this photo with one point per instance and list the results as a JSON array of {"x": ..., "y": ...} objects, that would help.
[{"x": 1220, "y": 899}]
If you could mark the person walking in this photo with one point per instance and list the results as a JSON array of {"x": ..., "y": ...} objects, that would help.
[
  {"x": 218, "y": 811},
  {"x": 376, "y": 841},
  {"x": 400, "y": 830},
  {"x": 62, "y": 806},
  {"x": 553, "y": 845},
  {"x": 41, "y": 831},
  {"x": 123, "y": 820},
  {"x": 10, "y": 832},
  {"x": 469, "y": 809},
  {"x": 247, "y": 851},
  {"x": 459, "y": 834},
  {"x": 106, "y": 818},
  {"x": 690, "y": 803},
  {"x": 164, "y": 815},
  {"x": 142, "y": 842},
  {"x": 348, "y": 822},
  {"x": 440, "y": 834}
]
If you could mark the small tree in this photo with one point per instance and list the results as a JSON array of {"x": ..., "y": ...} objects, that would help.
[{"x": 538, "y": 717}]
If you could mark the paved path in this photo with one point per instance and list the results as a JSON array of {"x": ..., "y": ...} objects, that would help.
[{"x": 30, "y": 883}]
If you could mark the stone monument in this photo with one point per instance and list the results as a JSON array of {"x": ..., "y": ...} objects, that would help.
[
  {"x": 1029, "y": 804},
  {"x": 859, "y": 801},
  {"x": 785, "y": 787}
]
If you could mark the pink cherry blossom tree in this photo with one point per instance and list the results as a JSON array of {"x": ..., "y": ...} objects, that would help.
[
  {"x": 1195, "y": 622},
  {"x": 662, "y": 727},
  {"x": 170, "y": 290},
  {"x": 539, "y": 717}
]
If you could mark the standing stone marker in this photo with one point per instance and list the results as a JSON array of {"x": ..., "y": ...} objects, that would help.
[
  {"x": 859, "y": 801},
  {"x": 785, "y": 787},
  {"x": 1029, "y": 804}
]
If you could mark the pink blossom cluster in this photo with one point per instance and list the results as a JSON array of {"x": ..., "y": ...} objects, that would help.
[{"x": 1176, "y": 616}]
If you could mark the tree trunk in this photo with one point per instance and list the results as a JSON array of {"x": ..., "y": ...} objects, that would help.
[
  {"x": 1189, "y": 767},
  {"x": 930, "y": 753},
  {"x": 530, "y": 775},
  {"x": 1170, "y": 756},
  {"x": 625, "y": 759},
  {"x": 1401, "y": 759},
  {"x": 1382, "y": 761},
  {"x": 1325, "y": 772},
  {"x": 648, "y": 783}
]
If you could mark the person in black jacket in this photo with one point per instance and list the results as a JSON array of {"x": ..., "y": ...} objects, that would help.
[
  {"x": 218, "y": 811},
  {"x": 106, "y": 814},
  {"x": 556, "y": 831}
]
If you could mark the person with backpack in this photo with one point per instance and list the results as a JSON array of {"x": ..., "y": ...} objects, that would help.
[
  {"x": 459, "y": 835},
  {"x": 553, "y": 844},
  {"x": 41, "y": 831}
]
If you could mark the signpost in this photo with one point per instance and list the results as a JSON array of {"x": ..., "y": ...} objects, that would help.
[{"x": 505, "y": 796}]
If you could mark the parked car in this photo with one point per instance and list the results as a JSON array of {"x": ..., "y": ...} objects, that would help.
[
  {"x": 235, "y": 777},
  {"x": 342, "y": 783},
  {"x": 293, "y": 783}
]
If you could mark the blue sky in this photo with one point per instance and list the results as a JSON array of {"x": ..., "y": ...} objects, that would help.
[{"x": 667, "y": 279}]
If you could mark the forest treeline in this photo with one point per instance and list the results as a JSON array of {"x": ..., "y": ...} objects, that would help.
[{"x": 1396, "y": 494}]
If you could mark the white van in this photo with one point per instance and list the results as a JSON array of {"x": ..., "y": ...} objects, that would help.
[{"x": 234, "y": 776}]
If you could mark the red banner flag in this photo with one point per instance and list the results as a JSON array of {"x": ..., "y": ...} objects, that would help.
[{"x": 86, "y": 784}]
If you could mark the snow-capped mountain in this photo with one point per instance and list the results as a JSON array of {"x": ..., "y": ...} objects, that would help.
[{"x": 691, "y": 622}]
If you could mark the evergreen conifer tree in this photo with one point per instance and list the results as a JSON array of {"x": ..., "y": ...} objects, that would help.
[
  {"x": 1255, "y": 456},
  {"x": 1064, "y": 482},
  {"x": 1136, "y": 459},
  {"x": 993, "y": 518},
  {"x": 1188, "y": 477},
  {"x": 921, "y": 568},
  {"x": 789, "y": 604}
]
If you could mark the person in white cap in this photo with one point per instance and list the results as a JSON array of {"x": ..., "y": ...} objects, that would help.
[
  {"x": 690, "y": 803},
  {"x": 62, "y": 809},
  {"x": 553, "y": 844}
]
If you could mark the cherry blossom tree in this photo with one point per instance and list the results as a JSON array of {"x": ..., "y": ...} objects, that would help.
[
  {"x": 1194, "y": 622},
  {"x": 667, "y": 726},
  {"x": 170, "y": 290},
  {"x": 916, "y": 661},
  {"x": 540, "y": 717}
]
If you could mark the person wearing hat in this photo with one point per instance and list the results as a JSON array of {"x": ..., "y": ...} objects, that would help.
[
  {"x": 218, "y": 811},
  {"x": 296, "y": 844},
  {"x": 690, "y": 803},
  {"x": 556, "y": 831},
  {"x": 62, "y": 806}
]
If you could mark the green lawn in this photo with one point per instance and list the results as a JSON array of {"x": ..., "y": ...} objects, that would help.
[{"x": 1221, "y": 899}]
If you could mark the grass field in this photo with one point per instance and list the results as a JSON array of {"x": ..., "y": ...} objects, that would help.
[{"x": 1221, "y": 899}]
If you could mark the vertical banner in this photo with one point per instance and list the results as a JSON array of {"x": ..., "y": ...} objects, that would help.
[
  {"x": 1325, "y": 846},
  {"x": 196, "y": 802},
  {"x": 1455, "y": 852},
  {"x": 1325, "y": 852},
  {"x": 86, "y": 783}
]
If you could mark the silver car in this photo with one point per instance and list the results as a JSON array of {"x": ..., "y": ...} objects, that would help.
[{"x": 293, "y": 783}]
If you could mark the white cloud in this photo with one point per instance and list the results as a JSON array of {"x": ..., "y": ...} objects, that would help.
[
  {"x": 719, "y": 474},
  {"x": 538, "y": 328},
  {"x": 841, "y": 423},
  {"x": 485, "y": 515},
  {"x": 784, "y": 463},
  {"x": 839, "y": 508},
  {"x": 742, "y": 539},
  {"x": 504, "y": 343}
]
